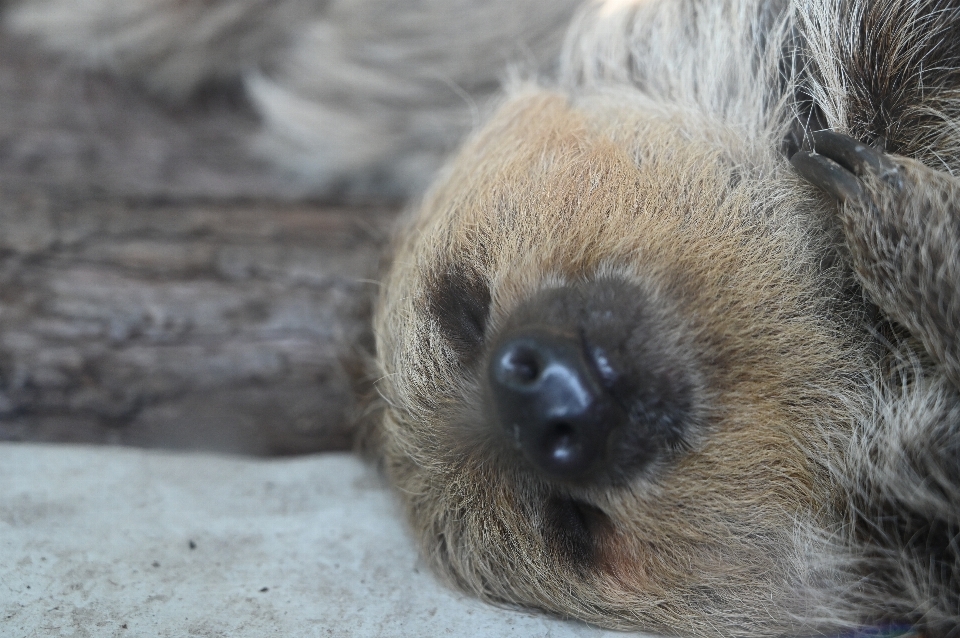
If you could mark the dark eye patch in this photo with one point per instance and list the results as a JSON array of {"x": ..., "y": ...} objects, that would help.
[
  {"x": 459, "y": 300},
  {"x": 571, "y": 527}
]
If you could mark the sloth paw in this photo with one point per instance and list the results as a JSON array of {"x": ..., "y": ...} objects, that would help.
[
  {"x": 841, "y": 165},
  {"x": 901, "y": 221}
]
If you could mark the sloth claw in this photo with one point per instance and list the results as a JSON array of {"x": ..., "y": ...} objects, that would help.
[
  {"x": 840, "y": 163},
  {"x": 828, "y": 175},
  {"x": 854, "y": 155}
]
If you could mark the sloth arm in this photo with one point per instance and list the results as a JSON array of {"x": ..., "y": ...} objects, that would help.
[{"x": 902, "y": 225}]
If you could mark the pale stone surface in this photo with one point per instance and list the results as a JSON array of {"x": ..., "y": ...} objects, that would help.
[{"x": 125, "y": 543}]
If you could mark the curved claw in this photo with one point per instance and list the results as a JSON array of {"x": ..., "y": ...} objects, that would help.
[
  {"x": 828, "y": 175},
  {"x": 855, "y": 156}
]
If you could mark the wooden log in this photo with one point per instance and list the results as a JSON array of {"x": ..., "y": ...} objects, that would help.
[
  {"x": 236, "y": 327},
  {"x": 159, "y": 286}
]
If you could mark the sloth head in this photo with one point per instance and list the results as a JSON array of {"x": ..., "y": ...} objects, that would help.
[{"x": 609, "y": 342}]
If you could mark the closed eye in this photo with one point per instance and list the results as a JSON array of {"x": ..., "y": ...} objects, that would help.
[{"x": 459, "y": 300}]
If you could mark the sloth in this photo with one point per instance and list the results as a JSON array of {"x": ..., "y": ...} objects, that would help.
[{"x": 670, "y": 343}]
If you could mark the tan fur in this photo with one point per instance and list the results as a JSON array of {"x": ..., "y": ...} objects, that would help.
[{"x": 544, "y": 196}]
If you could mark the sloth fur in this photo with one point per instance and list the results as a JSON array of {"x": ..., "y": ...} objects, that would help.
[
  {"x": 808, "y": 351},
  {"x": 785, "y": 348}
]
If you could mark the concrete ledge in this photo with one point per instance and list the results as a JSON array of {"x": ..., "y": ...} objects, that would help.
[{"x": 106, "y": 541}]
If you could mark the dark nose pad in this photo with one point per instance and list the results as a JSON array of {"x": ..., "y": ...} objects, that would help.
[{"x": 552, "y": 404}]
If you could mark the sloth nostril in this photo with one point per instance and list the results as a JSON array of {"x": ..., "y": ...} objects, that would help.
[
  {"x": 549, "y": 400},
  {"x": 589, "y": 383},
  {"x": 562, "y": 444},
  {"x": 520, "y": 366}
]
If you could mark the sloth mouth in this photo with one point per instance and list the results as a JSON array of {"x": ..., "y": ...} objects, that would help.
[{"x": 584, "y": 383}]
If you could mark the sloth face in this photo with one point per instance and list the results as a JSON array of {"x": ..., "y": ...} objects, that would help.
[{"x": 608, "y": 353}]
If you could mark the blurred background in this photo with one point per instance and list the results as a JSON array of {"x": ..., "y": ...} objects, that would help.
[{"x": 161, "y": 287}]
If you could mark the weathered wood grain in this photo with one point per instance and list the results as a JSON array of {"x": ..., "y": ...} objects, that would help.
[{"x": 159, "y": 285}]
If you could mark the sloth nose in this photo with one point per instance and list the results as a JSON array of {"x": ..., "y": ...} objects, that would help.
[{"x": 551, "y": 402}]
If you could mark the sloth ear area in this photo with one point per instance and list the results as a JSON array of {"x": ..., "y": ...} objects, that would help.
[
  {"x": 839, "y": 164},
  {"x": 458, "y": 299}
]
